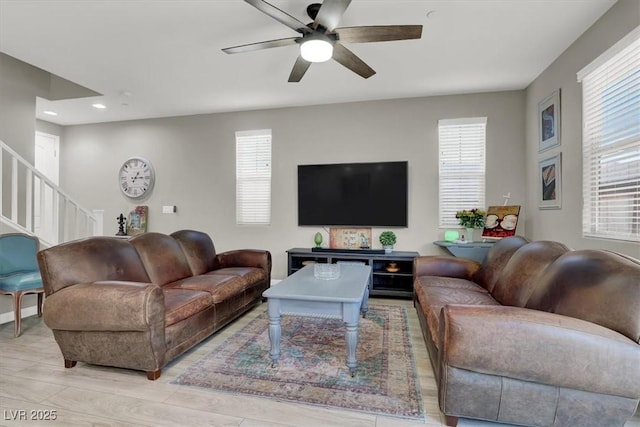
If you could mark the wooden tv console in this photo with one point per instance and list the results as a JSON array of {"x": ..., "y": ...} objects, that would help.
[{"x": 383, "y": 282}]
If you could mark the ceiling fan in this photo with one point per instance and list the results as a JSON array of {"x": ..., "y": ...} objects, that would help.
[{"x": 320, "y": 40}]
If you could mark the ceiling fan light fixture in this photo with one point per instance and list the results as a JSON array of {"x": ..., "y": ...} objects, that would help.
[{"x": 316, "y": 48}]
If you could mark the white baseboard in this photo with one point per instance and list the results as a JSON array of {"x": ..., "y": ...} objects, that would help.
[{"x": 26, "y": 312}]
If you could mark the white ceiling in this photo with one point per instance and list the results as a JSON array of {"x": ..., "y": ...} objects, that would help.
[{"x": 159, "y": 58}]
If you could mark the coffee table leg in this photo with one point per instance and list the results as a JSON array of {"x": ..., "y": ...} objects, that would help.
[
  {"x": 365, "y": 303},
  {"x": 274, "y": 331},
  {"x": 352, "y": 344}
]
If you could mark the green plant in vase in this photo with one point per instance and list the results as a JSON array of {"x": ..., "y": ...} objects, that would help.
[
  {"x": 471, "y": 220},
  {"x": 387, "y": 240}
]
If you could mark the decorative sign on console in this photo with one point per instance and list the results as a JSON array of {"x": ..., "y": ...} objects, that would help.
[
  {"x": 349, "y": 238},
  {"x": 501, "y": 221}
]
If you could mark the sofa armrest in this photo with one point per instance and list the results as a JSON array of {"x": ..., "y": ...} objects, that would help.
[
  {"x": 445, "y": 266},
  {"x": 540, "y": 347},
  {"x": 245, "y": 258},
  {"x": 105, "y": 306}
]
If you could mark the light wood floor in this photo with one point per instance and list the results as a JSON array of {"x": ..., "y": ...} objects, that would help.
[{"x": 33, "y": 378}]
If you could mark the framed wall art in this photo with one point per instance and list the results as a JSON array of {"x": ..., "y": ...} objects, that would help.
[
  {"x": 549, "y": 122},
  {"x": 550, "y": 179}
]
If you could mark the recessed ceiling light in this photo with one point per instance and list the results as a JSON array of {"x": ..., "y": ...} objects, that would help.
[
  {"x": 50, "y": 113},
  {"x": 99, "y": 106}
]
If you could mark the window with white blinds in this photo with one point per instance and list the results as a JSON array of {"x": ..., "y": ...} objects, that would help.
[
  {"x": 461, "y": 148},
  {"x": 253, "y": 177},
  {"x": 611, "y": 142}
]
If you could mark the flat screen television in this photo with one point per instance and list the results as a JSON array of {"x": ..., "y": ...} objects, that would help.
[{"x": 353, "y": 194}]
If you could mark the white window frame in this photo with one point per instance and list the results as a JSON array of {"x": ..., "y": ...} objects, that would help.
[
  {"x": 611, "y": 142},
  {"x": 253, "y": 177},
  {"x": 462, "y": 167}
]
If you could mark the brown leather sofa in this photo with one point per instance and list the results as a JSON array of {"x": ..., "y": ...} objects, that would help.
[
  {"x": 139, "y": 303},
  {"x": 536, "y": 335}
]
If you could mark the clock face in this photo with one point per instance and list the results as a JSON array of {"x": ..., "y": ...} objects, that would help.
[{"x": 136, "y": 177}]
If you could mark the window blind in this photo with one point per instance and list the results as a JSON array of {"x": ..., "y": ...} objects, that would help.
[
  {"x": 611, "y": 142},
  {"x": 253, "y": 177},
  {"x": 461, "y": 148}
]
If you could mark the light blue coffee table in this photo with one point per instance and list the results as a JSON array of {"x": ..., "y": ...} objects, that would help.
[{"x": 302, "y": 294}]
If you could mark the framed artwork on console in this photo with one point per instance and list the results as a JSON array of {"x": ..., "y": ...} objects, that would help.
[
  {"x": 549, "y": 122},
  {"x": 501, "y": 221},
  {"x": 137, "y": 223},
  {"x": 550, "y": 179},
  {"x": 349, "y": 238}
]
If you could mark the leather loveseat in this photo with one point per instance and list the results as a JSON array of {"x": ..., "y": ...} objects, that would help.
[
  {"x": 138, "y": 303},
  {"x": 537, "y": 334}
]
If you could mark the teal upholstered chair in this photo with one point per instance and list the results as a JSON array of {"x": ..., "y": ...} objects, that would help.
[{"x": 19, "y": 273}]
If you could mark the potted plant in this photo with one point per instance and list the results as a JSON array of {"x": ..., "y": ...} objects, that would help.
[
  {"x": 471, "y": 220},
  {"x": 388, "y": 239}
]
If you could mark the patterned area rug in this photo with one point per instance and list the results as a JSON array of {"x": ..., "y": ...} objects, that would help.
[{"x": 312, "y": 366}]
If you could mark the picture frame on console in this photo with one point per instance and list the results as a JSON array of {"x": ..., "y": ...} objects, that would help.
[
  {"x": 549, "y": 122},
  {"x": 349, "y": 238}
]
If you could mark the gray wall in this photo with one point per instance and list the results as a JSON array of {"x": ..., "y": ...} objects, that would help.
[
  {"x": 20, "y": 83},
  {"x": 193, "y": 156},
  {"x": 194, "y": 160},
  {"x": 565, "y": 225}
]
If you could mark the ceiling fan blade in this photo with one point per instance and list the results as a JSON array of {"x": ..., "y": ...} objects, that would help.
[
  {"x": 379, "y": 33},
  {"x": 279, "y": 15},
  {"x": 330, "y": 14},
  {"x": 299, "y": 68},
  {"x": 261, "y": 45},
  {"x": 349, "y": 59}
]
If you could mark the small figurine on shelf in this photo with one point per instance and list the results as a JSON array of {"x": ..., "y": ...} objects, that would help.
[{"x": 121, "y": 221}]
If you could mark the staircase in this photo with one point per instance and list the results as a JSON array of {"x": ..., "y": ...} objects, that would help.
[{"x": 31, "y": 203}]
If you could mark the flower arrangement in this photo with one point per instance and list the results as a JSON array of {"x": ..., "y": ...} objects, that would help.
[{"x": 473, "y": 218}]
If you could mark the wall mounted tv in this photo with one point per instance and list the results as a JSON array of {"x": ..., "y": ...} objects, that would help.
[{"x": 353, "y": 194}]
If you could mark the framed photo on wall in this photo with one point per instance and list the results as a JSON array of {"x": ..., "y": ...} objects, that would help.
[
  {"x": 549, "y": 122},
  {"x": 550, "y": 179}
]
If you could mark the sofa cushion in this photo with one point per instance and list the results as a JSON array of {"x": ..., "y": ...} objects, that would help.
[
  {"x": 199, "y": 250},
  {"x": 162, "y": 257},
  {"x": 251, "y": 275},
  {"x": 519, "y": 278},
  {"x": 219, "y": 286},
  {"x": 90, "y": 260},
  {"x": 496, "y": 259},
  {"x": 594, "y": 285},
  {"x": 433, "y": 298},
  {"x": 449, "y": 282},
  {"x": 181, "y": 304}
]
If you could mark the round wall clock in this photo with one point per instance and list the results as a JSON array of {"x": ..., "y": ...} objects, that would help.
[{"x": 136, "y": 177}]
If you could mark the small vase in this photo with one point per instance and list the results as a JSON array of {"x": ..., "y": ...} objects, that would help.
[
  {"x": 317, "y": 239},
  {"x": 387, "y": 249},
  {"x": 468, "y": 235}
]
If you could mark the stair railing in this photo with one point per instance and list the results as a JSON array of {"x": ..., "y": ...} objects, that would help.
[{"x": 31, "y": 203}]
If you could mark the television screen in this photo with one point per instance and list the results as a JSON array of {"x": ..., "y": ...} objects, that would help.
[{"x": 353, "y": 194}]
